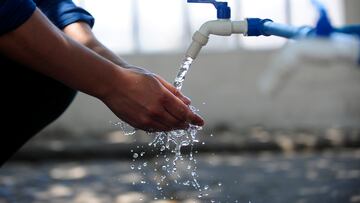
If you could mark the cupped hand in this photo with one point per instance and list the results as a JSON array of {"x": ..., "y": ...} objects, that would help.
[{"x": 148, "y": 102}]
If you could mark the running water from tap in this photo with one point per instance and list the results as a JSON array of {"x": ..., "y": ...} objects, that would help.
[
  {"x": 175, "y": 140},
  {"x": 184, "y": 68}
]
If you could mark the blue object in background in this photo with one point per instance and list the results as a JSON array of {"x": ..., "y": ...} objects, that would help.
[
  {"x": 349, "y": 29},
  {"x": 266, "y": 27},
  {"x": 223, "y": 10},
  {"x": 323, "y": 26}
]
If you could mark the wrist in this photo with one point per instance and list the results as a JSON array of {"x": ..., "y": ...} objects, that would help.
[{"x": 113, "y": 81}]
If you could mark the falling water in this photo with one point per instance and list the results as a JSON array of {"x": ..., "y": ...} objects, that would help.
[
  {"x": 175, "y": 140},
  {"x": 184, "y": 68},
  {"x": 172, "y": 142}
]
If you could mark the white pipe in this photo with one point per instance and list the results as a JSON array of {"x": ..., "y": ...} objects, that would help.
[
  {"x": 216, "y": 27},
  {"x": 322, "y": 52}
]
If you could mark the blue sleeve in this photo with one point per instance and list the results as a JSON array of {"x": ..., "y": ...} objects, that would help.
[
  {"x": 64, "y": 12},
  {"x": 14, "y": 13}
]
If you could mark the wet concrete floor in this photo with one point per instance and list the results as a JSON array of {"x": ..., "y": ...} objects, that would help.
[{"x": 307, "y": 177}]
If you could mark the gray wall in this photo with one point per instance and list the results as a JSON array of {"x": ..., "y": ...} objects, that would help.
[
  {"x": 224, "y": 87},
  {"x": 352, "y": 9}
]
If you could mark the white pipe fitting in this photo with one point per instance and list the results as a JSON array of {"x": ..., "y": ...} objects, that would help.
[
  {"x": 216, "y": 27},
  {"x": 318, "y": 52}
]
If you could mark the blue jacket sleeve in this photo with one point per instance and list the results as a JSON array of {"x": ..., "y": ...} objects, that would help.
[
  {"x": 64, "y": 12},
  {"x": 14, "y": 13}
]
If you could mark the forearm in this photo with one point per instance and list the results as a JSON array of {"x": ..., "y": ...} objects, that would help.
[
  {"x": 135, "y": 96},
  {"x": 44, "y": 48},
  {"x": 82, "y": 33}
]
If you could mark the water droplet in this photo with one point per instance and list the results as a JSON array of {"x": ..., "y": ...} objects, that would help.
[
  {"x": 206, "y": 187},
  {"x": 142, "y": 153},
  {"x": 219, "y": 184},
  {"x": 136, "y": 155},
  {"x": 132, "y": 167},
  {"x": 145, "y": 164}
]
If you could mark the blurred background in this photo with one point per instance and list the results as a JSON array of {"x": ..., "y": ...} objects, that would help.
[{"x": 300, "y": 146}]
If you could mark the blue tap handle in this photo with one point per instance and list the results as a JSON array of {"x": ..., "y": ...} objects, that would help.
[
  {"x": 323, "y": 26},
  {"x": 223, "y": 10}
]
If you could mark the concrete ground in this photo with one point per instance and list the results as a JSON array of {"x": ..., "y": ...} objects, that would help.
[{"x": 306, "y": 177}]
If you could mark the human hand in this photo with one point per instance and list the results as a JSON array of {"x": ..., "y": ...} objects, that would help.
[
  {"x": 148, "y": 102},
  {"x": 166, "y": 84}
]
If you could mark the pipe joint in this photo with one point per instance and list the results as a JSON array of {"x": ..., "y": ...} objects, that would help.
[{"x": 216, "y": 27}]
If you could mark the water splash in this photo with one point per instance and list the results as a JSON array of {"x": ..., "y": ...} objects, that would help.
[
  {"x": 124, "y": 127},
  {"x": 175, "y": 140}
]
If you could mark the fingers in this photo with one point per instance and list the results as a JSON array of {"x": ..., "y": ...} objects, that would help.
[
  {"x": 149, "y": 124},
  {"x": 181, "y": 111},
  {"x": 182, "y": 97},
  {"x": 169, "y": 120},
  {"x": 156, "y": 119},
  {"x": 173, "y": 90}
]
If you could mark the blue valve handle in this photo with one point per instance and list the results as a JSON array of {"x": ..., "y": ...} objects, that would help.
[
  {"x": 223, "y": 10},
  {"x": 323, "y": 26}
]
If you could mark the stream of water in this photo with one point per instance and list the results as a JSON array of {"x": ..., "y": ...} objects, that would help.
[{"x": 173, "y": 141}]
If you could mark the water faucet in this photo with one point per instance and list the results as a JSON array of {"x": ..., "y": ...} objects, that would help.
[
  {"x": 322, "y": 43},
  {"x": 223, "y": 26}
]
